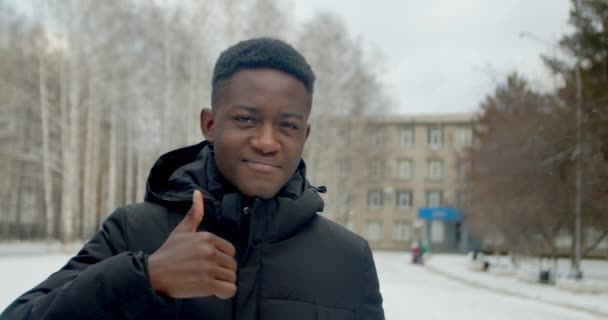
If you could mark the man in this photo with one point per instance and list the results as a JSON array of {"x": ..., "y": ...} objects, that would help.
[{"x": 229, "y": 228}]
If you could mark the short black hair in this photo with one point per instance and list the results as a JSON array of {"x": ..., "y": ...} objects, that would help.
[{"x": 261, "y": 53}]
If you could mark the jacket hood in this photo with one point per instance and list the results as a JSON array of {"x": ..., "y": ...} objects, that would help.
[{"x": 176, "y": 174}]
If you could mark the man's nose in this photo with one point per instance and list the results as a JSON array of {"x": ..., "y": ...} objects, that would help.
[{"x": 265, "y": 140}]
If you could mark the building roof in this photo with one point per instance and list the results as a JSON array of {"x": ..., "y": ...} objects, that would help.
[{"x": 425, "y": 118}]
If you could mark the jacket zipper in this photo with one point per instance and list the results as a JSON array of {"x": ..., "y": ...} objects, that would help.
[
  {"x": 247, "y": 211},
  {"x": 245, "y": 257}
]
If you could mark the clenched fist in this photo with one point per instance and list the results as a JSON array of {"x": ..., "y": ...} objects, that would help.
[{"x": 193, "y": 264}]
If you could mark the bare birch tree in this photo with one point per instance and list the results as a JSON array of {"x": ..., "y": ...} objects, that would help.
[
  {"x": 95, "y": 91},
  {"x": 347, "y": 88}
]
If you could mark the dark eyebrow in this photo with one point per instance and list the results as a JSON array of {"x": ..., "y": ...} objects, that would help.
[
  {"x": 292, "y": 115},
  {"x": 245, "y": 107},
  {"x": 282, "y": 114}
]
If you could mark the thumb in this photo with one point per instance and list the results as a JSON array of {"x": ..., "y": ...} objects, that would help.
[{"x": 194, "y": 216}]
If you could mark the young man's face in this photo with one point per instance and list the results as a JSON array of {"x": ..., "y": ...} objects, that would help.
[{"x": 258, "y": 129}]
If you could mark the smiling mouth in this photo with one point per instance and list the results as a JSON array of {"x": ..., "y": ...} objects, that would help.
[{"x": 264, "y": 166}]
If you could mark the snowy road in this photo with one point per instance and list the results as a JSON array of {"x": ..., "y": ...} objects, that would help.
[
  {"x": 410, "y": 292},
  {"x": 413, "y": 292}
]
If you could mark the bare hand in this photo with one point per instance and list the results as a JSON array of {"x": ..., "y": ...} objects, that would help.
[{"x": 193, "y": 264}]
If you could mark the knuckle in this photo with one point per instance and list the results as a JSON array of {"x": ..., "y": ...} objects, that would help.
[
  {"x": 209, "y": 283},
  {"x": 232, "y": 249},
  {"x": 205, "y": 250},
  {"x": 205, "y": 272},
  {"x": 211, "y": 252},
  {"x": 206, "y": 236},
  {"x": 233, "y": 277},
  {"x": 233, "y": 265},
  {"x": 227, "y": 291},
  {"x": 232, "y": 289}
]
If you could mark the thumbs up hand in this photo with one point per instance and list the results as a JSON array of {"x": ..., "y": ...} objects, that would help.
[{"x": 193, "y": 264}]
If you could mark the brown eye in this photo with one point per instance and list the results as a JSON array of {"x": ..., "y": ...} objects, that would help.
[
  {"x": 244, "y": 119},
  {"x": 289, "y": 125}
]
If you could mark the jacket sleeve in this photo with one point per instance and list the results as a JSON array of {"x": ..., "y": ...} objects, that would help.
[
  {"x": 370, "y": 306},
  {"x": 103, "y": 281}
]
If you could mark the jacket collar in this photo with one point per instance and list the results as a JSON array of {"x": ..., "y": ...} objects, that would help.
[{"x": 176, "y": 174}]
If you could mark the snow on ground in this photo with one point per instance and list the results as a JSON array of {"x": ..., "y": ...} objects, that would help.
[
  {"x": 414, "y": 292},
  {"x": 457, "y": 266},
  {"x": 21, "y": 273},
  {"x": 409, "y": 291}
]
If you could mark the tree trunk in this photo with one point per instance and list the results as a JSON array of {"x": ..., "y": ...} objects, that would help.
[
  {"x": 6, "y": 204},
  {"x": 71, "y": 134},
  {"x": 18, "y": 177},
  {"x": 95, "y": 174},
  {"x": 46, "y": 159},
  {"x": 66, "y": 195},
  {"x": 74, "y": 139},
  {"x": 112, "y": 157},
  {"x": 130, "y": 151},
  {"x": 88, "y": 184},
  {"x": 140, "y": 181},
  {"x": 13, "y": 213},
  {"x": 193, "y": 101},
  {"x": 165, "y": 123}
]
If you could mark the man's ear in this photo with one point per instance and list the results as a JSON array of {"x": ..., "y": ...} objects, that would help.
[
  {"x": 307, "y": 132},
  {"x": 207, "y": 124}
]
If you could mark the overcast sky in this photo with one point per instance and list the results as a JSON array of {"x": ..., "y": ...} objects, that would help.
[{"x": 444, "y": 56}]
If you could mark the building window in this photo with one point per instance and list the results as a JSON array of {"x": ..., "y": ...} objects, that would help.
[
  {"x": 377, "y": 138},
  {"x": 463, "y": 170},
  {"x": 374, "y": 199},
  {"x": 434, "y": 199},
  {"x": 435, "y": 137},
  {"x": 373, "y": 231},
  {"x": 460, "y": 200},
  {"x": 405, "y": 169},
  {"x": 463, "y": 138},
  {"x": 375, "y": 169},
  {"x": 403, "y": 231},
  {"x": 346, "y": 200},
  {"x": 406, "y": 137},
  {"x": 404, "y": 199},
  {"x": 435, "y": 169}
]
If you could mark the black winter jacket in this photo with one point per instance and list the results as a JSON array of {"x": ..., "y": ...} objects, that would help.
[{"x": 292, "y": 263}]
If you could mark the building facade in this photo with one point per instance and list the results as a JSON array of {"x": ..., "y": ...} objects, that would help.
[{"x": 412, "y": 163}]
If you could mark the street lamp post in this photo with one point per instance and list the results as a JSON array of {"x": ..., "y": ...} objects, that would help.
[{"x": 578, "y": 202}]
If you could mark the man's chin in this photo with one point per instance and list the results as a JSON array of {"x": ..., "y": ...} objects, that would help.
[{"x": 263, "y": 192}]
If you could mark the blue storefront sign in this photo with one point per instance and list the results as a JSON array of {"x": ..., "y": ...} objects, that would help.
[{"x": 447, "y": 214}]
